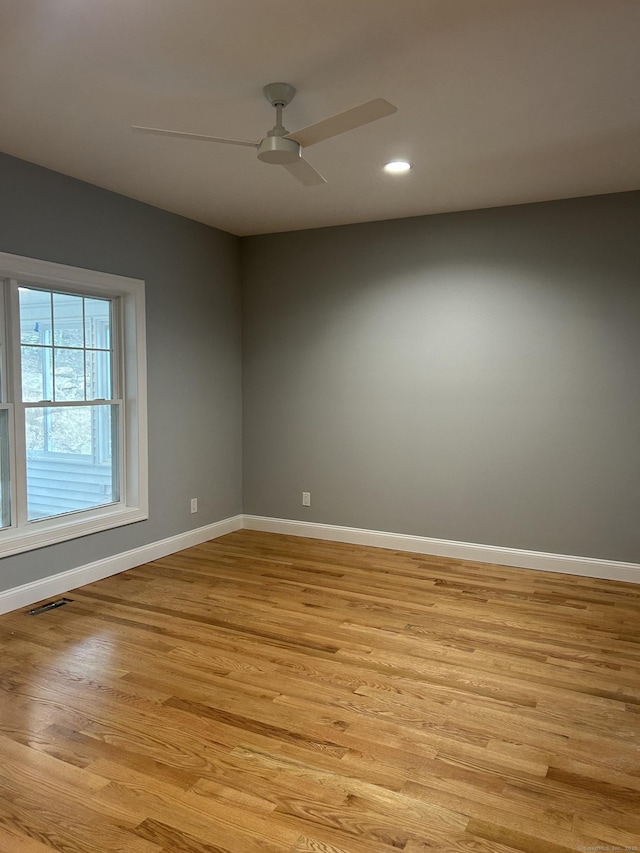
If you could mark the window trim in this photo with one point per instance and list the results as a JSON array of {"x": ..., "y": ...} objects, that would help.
[{"x": 134, "y": 503}]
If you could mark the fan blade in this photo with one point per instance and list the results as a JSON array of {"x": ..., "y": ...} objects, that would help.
[
  {"x": 305, "y": 173},
  {"x": 342, "y": 122},
  {"x": 162, "y": 132}
]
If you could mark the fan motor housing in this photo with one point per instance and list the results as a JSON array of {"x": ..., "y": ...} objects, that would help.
[{"x": 279, "y": 150}]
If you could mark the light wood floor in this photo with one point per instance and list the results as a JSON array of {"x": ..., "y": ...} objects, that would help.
[{"x": 266, "y": 693}]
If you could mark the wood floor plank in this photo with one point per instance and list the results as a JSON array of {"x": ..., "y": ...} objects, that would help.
[
  {"x": 272, "y": 694},
  {"x": 14, "y": 841}
]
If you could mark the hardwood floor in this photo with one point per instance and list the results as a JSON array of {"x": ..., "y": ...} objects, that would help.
[{"x": 269, "y": 693}]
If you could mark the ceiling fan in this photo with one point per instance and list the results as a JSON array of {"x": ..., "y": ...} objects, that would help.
[{"x": 285, "y": 149}]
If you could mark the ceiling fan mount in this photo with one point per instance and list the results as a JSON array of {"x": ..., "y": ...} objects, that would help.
[
  {"x": 279, "y": 93},
  {"x": 282, "y": 148}
]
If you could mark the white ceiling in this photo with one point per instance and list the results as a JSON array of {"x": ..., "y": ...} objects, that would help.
[{"x": 499, "y": 101}]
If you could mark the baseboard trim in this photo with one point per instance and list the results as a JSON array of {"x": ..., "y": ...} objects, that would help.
[
  {"x": 583, "y": 566},
  {"x": 29, "y": 593}
]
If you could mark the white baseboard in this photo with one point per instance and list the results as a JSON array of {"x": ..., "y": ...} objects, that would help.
[
  {"x": 584, "y": 566},
  {"x": 29, "y": 593}
]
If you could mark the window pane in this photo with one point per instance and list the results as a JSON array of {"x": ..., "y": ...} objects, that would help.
[
  {"x": 37, "y": 374},
  {"x": 35, "y": 316},
  {"x": 68, "y": 322},
  {"x": 68, "y": 370},
  {"x": 98, "y": 373},
  {"x": 97, "y": 323},
  {"x": 71, "y": 463},
  {"x": 69, "y": 374},
  {"x": 5, "y": 487}
]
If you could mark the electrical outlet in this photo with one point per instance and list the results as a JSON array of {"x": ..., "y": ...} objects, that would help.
[
  {"x": 306, "y": 499},
  {"x": 194, "y": 504}
]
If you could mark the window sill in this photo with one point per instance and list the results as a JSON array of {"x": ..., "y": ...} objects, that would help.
[{"x": 40, "y": 534}]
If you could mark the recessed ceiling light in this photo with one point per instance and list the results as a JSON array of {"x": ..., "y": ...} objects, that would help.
[{"x": 396, "y": 167}]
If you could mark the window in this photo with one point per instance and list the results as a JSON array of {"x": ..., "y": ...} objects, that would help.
[{"x": 73, "y": 403}]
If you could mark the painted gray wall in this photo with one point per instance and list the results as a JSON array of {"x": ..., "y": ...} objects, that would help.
[
  {"x": 471, "y": 376},
  {"x": 193, "y": 347}
]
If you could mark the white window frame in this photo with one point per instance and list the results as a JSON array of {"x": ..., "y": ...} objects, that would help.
[{"x": 133, "y": 504}]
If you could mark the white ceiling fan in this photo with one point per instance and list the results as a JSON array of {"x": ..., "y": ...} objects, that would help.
[{"x": 285, "y": 149}]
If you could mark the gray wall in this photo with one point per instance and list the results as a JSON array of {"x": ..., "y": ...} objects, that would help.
[
  {"x": 471, "y": 376},
  {"x": 193, "y": 347}
]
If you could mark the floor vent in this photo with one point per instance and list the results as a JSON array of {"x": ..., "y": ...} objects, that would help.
[{"x": 50, "y": 605}]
